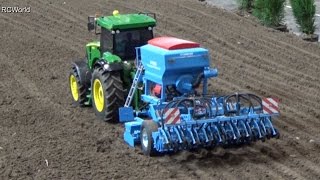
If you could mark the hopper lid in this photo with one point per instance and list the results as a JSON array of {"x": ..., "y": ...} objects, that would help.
[{"x": 172, "y": 43}]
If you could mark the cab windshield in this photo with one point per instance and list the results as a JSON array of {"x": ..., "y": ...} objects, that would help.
[{"x": 127, "y": 41}]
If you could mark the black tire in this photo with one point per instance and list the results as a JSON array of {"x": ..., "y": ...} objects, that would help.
[
  {"x": 113, "y": 94},
  {"x": 148, "y": 126},
  {"x": 82, "y": 90}
]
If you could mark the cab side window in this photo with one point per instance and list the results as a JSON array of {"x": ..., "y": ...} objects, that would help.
[{"x": 106, "y": 41}]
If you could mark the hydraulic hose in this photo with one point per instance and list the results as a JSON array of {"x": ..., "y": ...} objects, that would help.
[{"x": 198, "y": 80}]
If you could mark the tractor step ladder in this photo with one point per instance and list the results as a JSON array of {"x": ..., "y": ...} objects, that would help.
[
  {"x": 134, "y": 85},
  {"x": 88, "y": 101}
]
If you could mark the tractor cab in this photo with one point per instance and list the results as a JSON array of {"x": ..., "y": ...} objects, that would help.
[{"x": 120, "y": 34}]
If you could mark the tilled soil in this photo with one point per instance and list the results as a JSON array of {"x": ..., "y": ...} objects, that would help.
[{"x": 42, "y": 136}]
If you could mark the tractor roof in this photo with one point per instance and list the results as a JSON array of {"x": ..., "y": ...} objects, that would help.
[{"x": 126, "y": 21}]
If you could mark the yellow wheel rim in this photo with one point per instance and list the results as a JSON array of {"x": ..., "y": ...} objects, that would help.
[
  {"x": 98, "y": 95},
  {"x": 74, "y": 87}
]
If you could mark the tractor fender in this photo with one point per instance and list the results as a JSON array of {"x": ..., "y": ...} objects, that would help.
[
  {"x": 83, "y": 71},
  {"x": 108, "y": 66}
]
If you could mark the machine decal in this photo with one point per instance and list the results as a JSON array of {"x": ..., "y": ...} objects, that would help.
[
  {"x": 172, "y": 116},
  {"x": 270, "y": 105},
  {"x": 153, "y": 65}
]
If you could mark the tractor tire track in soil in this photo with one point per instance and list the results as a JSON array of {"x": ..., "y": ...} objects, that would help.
[{"x": 43, "y": 136}]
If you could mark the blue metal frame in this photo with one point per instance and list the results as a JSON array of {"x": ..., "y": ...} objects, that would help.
[{"x": 221, "y": 125}]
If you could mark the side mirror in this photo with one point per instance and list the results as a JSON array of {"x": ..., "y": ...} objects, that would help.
[{"x": 91, "y": 23}]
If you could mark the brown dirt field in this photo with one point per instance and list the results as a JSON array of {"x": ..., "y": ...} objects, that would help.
[{"x": 38, "y": 122}]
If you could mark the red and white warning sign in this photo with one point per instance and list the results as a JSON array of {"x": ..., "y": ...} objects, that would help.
[
  {"x": 171, "y": 116},
  {"x": 270, "y": 105}
]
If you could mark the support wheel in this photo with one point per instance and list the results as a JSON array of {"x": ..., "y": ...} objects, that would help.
[
  {"x": 147, "y": 143},
  {"x": 107, "y": 94},
  {"x": 77, "y": 89}
]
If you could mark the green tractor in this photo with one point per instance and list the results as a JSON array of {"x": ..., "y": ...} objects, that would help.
[{"x": 102, "y": 78}]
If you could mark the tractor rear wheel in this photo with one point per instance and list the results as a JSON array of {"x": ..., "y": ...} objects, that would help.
[
  {"x": 107, "y": 94},
  {"x": 77, "y": 89},
  {"x": 147, "y": 147}
]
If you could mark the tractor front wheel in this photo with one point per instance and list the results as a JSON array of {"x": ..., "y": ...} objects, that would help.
[
  {"x": 147, "y": 143},
  {"x": 107, "y": 94},
  {"x": 77, "y": 89}
]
